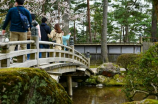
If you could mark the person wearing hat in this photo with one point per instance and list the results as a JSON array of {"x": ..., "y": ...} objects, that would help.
[
  {"x": 39, "y": 34},
  {"x": 17, "y": 33}
]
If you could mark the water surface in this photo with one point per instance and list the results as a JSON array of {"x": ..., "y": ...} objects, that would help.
[{"x": 94, "y": 95}]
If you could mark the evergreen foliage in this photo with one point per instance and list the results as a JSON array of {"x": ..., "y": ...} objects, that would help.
[
  {"x": 126, "y": 21},
  {"x": 142, "y": 75}
]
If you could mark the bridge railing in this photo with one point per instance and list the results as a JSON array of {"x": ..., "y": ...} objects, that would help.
[{"x": 50, "y": 55}]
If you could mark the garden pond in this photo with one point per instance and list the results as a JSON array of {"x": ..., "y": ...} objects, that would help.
[{"x": 102, "y": 95}]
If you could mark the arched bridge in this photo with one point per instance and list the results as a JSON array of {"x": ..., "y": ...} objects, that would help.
[{"x": 57, "y": 63}]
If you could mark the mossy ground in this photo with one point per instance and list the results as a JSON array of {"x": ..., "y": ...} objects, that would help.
[
  {"x": 146, "y": 101},
  {"x": 94, "y": 66},
  {"x": 30, "y": 86}
]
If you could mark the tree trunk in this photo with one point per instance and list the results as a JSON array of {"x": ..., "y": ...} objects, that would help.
[
  {"x": 121, "y": 34},
  {"x": 155, "y": 2},
  {"x": 66, "y": 20},
  {"x": 95, "y": 33},
  {"x": 104, "y": 32},
  {"x": 58, "y": 13},
  {"x": 154, "y": 25},
  {"x": 89, "y": 24},
  {"x": 74, "y": 32},
  {"x": 126, "y": 35},
  {"x": 87, "y": 33}
]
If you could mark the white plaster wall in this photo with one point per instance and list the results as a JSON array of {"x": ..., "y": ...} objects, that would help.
[
  {"x": 91, "y": 49},
  {"x": 127, "y": 49},
  {"x": 98, "y": 49},
  {"x": 137, "y": 49},
  {"x": 115, "y": 49},
  {"x": 80, "y": 49}
]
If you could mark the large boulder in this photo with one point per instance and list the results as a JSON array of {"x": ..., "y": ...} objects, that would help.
[
  {"x": 30, "y": 86},
  {"x": 108, "y": 69}
]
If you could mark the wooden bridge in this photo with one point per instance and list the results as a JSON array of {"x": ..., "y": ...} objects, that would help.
[{"x": 58, "y": 63}]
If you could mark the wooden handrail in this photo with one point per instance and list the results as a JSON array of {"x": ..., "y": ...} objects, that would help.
[{"x": 16, "y": 42}]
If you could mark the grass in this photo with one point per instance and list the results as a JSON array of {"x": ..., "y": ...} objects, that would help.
[{"x": 94, "y": 66}]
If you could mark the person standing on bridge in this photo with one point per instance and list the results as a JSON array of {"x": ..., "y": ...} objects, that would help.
[
  {"x": 17, "y": 32},
  {"x": 65, "y": 38},
  {"x": 39, "y": 34},
  {"x": 56, "y": 35},
  {"x": 45, "y": 29}
]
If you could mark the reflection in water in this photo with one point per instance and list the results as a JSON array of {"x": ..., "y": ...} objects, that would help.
[{"x": 94, "y": 95}]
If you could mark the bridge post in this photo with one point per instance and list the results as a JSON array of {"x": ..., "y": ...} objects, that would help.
[
  {"x": 51, "y": 53},
  {"x": 35, "y": 45},
  {"x": 72, "y": 46},
  {"x": 88, "y": 57},
  {"x": 5, "y": 62},
  {"x": 69, "y": 85},
  {"x": 35, "y": 37}
]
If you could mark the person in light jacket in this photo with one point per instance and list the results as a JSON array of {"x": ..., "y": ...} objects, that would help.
[
  {"x": 65, "y": 38},
  {"x": 56, "y": 35}
]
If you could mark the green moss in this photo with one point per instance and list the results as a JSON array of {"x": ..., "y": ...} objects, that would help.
[
  {"x": 117, "y": 66},
  {"x": 91, "y": 81},
  {"x": 113, "y": 82},
  {"x": 146, "y": 101},
  {"x": 151, "y": 101},
  {"x": 117, "y": 80},
  {"x": 93, "y": 66},
  {"x": 30, "y": 85},
  {"x": 93, "y": 76}
]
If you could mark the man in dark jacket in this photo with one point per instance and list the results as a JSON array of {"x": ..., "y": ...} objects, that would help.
[
  {"x": 17, "y": 32},
  {"x": 45, "y": 29}
]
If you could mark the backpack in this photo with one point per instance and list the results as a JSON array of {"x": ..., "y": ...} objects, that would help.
[{"x": 24, "y": 21}]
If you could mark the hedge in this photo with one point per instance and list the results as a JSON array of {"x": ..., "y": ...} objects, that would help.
[{"x": 125, "y": 59}]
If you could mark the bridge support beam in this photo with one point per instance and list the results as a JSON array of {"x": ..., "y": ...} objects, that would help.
[{"x": 69, "y": 85}]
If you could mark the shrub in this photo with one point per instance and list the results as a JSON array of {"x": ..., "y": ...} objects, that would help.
[
  {"x": 125, "y": 59},
  {"x": 142, "y": 76}
]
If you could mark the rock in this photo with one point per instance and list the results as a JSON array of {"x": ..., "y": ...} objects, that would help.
[
  {"x": 101, "y": 79},
  {"x": 99, "y": 85},
  {"x": 108, "y": 69},
  {"x": 30, "y": 85}
]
